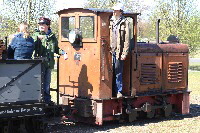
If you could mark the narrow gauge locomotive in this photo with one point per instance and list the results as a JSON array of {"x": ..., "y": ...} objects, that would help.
[{"x": 155, "y": 78}]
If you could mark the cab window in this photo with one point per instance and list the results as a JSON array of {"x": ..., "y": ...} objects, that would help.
[
  {"x": 87, "y": 26},
  {"x": 67, "y": 24}
]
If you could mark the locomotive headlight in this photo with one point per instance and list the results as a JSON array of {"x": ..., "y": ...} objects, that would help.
[
  {"x": 72, "y": 36},
  {"x": 75, "y": 38}
]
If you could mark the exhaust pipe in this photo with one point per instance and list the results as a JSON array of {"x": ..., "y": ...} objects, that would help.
[{"x": 157, "y": 31}]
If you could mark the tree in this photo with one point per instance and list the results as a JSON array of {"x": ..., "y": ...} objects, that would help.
[
  {"x": 180, "y": 18},
  {"x": 5, "y": 24},
  {"x": 191, "y": 34},
  {"x": 17, "y": 11},
  {"x": 101, "y": 4},
  {"x": 129, "y": 5}
]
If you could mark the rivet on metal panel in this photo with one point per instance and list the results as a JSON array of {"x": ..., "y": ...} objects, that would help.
[{"x": 77, "y": 62}]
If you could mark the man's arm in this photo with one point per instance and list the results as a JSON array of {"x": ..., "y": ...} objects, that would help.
[
  {"x": 11, "y": 49},
  {"x": 111, "y": 35},
  {"x": 126, "y": 42},
  {"x": 37, "y": 44},
  {"x": 57, "y": 49}
]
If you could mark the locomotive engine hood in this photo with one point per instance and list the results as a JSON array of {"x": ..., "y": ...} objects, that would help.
[{"x": 162, "y": 48}]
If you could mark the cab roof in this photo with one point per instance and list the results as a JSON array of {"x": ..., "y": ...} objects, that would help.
[{"x": 95, "y": 10}]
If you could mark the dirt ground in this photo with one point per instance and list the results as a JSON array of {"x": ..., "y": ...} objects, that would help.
[{"x": 175, "y": 124}]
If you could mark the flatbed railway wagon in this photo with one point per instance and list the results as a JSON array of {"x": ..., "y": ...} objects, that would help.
[{"x": 21, "y": 97}]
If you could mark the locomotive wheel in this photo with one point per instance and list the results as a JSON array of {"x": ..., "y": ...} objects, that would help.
[
  {"x": 168, "y": 110},
  {"x": 151, "y": 114},
  {"x": 133, "y": 116}
]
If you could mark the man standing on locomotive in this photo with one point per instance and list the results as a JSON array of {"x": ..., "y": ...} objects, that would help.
[
  {"x": 46, "y": 44},
  {"x": 119, "y": 43}
]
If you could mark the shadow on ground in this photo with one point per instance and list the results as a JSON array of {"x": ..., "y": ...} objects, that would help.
[{"x": 86, "y": 128}]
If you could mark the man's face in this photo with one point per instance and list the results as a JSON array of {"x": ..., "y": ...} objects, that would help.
[
  {"x": 117, "y": 13},
  {"x": 43, "y": 27},
  {"x": 22, "y": 28}
]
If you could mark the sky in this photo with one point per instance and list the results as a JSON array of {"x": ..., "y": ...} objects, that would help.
[{"x": 62, "y": 4}]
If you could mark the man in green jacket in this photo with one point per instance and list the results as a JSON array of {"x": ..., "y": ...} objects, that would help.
[{"x": 46, "y": 44}]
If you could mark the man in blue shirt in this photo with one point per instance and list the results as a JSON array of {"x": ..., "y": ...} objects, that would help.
[{"x": 22, "y": 45}]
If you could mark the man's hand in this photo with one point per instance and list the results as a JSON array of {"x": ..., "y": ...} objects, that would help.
[
  {"x": 40, "y": 37},
  {"x": 123, "y": 57},
  {"x": 65, "y": 56}
]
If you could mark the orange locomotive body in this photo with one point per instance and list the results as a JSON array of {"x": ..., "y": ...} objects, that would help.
[{"x": 154, "y": 79}]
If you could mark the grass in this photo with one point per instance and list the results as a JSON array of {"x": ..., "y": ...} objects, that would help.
[
  {"x": 196, "y": 54},
  {"x": 193, "y": 82},
  {"x": 53, "y": 84},
  {"x": 194, "y": 66}
]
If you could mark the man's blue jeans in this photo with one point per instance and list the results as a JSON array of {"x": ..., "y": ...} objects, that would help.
[
  {"x": 118, "y": 72},
  {"x": 47, "y": 81}
]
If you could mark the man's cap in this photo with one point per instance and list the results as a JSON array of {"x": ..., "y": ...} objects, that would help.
[
  {"x": 43, "y": 20},
  {"x": 118, "y": 6}
]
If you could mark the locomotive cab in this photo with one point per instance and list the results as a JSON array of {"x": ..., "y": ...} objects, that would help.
[{"x": 84, "y": 35}]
